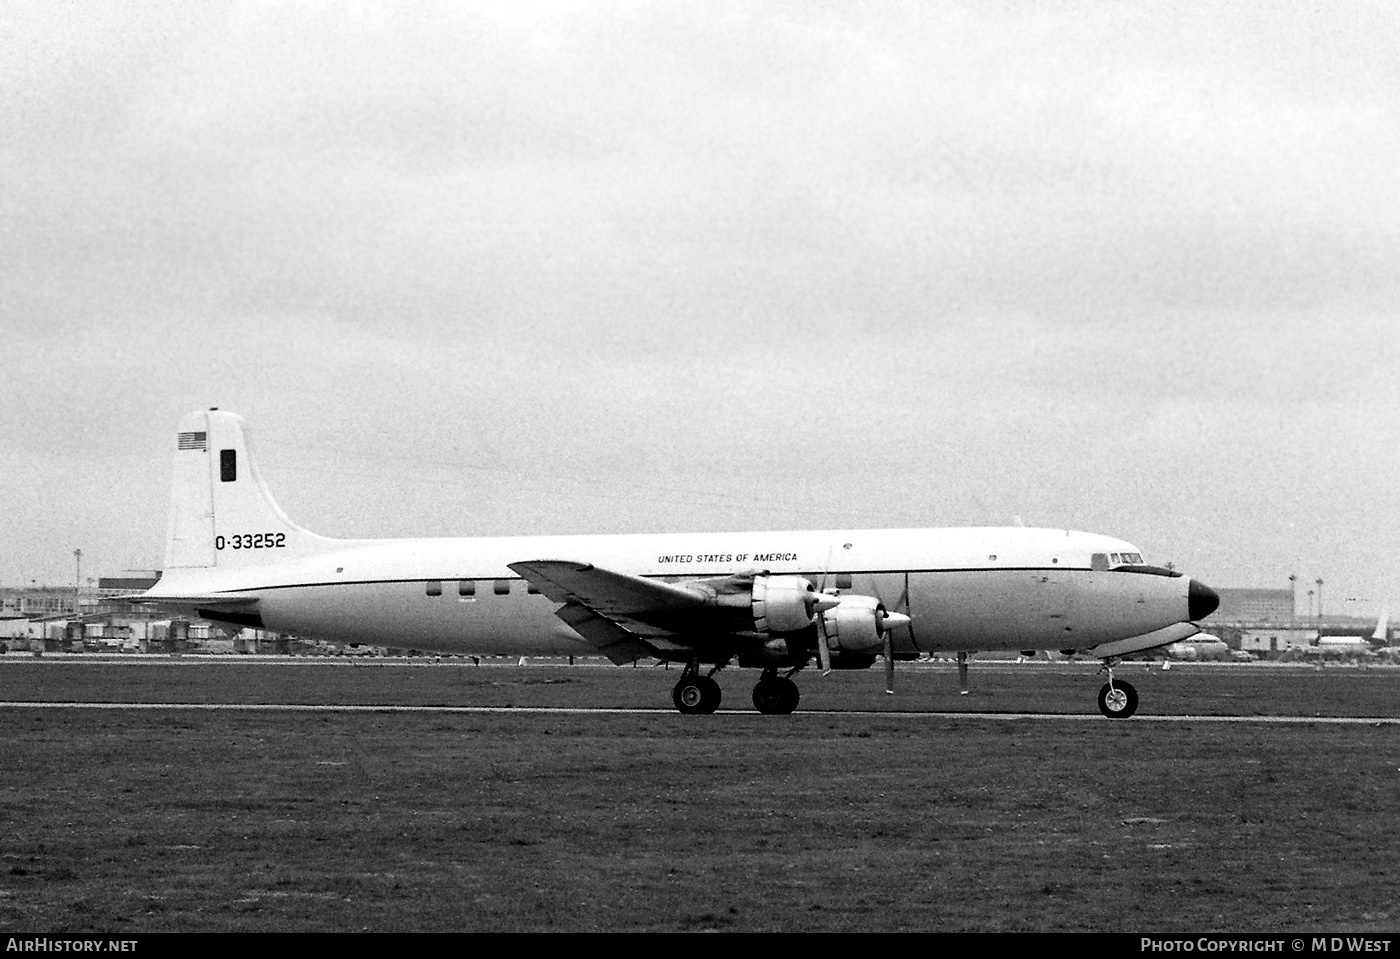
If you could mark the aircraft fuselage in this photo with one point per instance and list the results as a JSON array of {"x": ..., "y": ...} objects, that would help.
[{"x": 964, "y": 588}]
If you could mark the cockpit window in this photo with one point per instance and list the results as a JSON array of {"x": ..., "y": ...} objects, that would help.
[{"x": 1133, "y": 563}]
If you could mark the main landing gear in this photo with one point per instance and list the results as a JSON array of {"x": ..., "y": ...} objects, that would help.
[
  {"x": 775, "y": 695},
  {"x": 697, "y": 695},
  {"x": 1117, "y": 699}
]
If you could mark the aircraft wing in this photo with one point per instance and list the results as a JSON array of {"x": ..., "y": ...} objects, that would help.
[
  {"x": 618, "y": 612},
  {"x": 615, "y": 595}
]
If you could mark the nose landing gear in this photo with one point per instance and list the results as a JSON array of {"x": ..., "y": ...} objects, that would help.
[{"x": 1117, "y": 699}]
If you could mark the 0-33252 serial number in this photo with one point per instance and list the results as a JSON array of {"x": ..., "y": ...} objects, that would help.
[{"x": 251, "y": 541}]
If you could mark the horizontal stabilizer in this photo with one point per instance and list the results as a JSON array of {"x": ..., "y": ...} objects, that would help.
[{"x": 205, "y": 600}]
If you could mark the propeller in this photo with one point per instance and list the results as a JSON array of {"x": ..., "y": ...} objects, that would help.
[
  {"x": 821, "y": 603},
  {"x": 889, "y": 664},
  {"x": 886, "y": 621},
  {"x": 889, "y": 623},
  {"x": 894, "y": 621},
  {"x": 823, "y": 645}
]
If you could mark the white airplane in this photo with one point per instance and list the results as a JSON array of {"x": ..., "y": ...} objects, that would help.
[
  {"x": 1202, "y": 647},
  {"x": 775, "y": 601}
]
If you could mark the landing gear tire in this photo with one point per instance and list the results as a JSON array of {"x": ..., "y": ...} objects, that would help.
[
  {"x": 776, "y": 697},
  {"x": 697, "y": 696},
  {"x": 1118, "y": 700}
]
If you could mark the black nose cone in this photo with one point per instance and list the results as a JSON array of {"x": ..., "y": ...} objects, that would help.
[{"x": 1201, "y": 600}]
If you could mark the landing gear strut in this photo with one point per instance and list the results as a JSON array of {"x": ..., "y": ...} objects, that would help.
[
  {"x": 775, "y": 695},
  {"x": 1117, "y": 700},
  {"x": 696, "y": 695}
]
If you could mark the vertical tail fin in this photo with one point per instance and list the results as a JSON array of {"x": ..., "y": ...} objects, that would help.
[{"x": 221, "y": 514}]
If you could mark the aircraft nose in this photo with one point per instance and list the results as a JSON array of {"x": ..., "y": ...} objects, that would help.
[{"x": 1201, "y": 600}]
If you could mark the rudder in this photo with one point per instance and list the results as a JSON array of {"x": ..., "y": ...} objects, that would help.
[{"x": 221, "y": 513}]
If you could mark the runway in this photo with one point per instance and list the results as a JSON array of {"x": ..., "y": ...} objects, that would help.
[{"x": 722, "y": 713}]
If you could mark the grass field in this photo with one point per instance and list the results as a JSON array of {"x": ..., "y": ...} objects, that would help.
[{"x": 136, "y": 821}]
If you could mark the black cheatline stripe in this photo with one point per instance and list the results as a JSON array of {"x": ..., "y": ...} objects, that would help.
[{"x": 688, "y": 575}]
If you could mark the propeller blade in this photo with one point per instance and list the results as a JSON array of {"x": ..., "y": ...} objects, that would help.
[
  {"x": 821, "y": 602},
  {"x": 889, "y": 664}
]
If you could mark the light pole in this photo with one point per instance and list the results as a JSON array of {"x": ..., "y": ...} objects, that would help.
[
  {"x": 1292, "y": 601},
  {"x": 77, "y": 580},
  {"x": 1319, "y": 603}
]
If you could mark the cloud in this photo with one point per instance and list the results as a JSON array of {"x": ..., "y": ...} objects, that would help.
[{"x": 766, "y": 262}]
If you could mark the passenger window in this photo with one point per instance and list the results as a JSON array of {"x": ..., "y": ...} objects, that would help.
[
  {"x": 533, "y": 589},
  {"x": 502, "y": 587},
  {"x": 843, "y": 580},
  {"x": 434, "y": 587},
  {"x": 466, "y": 587}
]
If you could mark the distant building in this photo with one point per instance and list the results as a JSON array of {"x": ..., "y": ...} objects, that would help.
[
  {"x": 36, "y": 601},
  {"x": 1269, "y": 641},
  {"x": 56, "y": 602},
  {"x": 1244, "y": 606}
]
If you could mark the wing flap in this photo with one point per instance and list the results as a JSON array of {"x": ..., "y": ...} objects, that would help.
[{"x": 611, "y": 639}]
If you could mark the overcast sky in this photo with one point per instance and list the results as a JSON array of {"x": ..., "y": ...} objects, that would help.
[{"x": 620, "y": 267}]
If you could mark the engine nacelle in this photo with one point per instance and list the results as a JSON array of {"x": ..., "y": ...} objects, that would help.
[
  {"x": 857, "y": 625},
  {"x": 783, "y": 604}
]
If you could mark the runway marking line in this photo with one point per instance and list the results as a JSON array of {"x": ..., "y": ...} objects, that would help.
[{"x": 602, "y": 711}]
